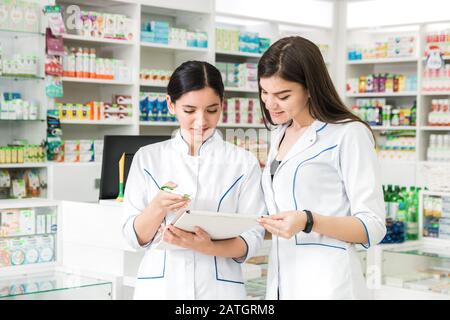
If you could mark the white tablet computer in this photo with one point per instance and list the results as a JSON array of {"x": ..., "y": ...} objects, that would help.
[{"x": 218, "y": 225}]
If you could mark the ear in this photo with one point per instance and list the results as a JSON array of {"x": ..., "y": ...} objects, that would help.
[{"x": 170, "y": 105}]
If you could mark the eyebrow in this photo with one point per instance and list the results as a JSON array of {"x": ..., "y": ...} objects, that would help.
[
  {"x": 279, "y": 92},
  {"x": 189, "y": 106}
]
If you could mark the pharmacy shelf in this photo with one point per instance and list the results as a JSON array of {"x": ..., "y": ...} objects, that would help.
[
  {"x": 386, "y": 162},
  {"x": 244, "y": 90},
  {"x": 435, "y": 128},
  {"x": 19, "y": 77},
  {"x": 443, "y": 57},
  {"x": 434, "y": 163},
  {"x": 96, "y": 81},
  {"x": 388, "y": 292},
  {"x": 23, "y": 165},
  {"x": 154, "y": 84},
  {"x": 27, "y": 203},
  {"x": 170, "y": 47},
  {"x": 435, "y": 93},
  {"x": 20, "y": 34},
  {"x": 239, "y": 54},
  {"x": 97, "y": 40},
  {"x": 99, "y": 122},
  {"x": 391, "y": 128},
  {"x": 382, "y": 94},
  {"x": 384, "y": 60},
  {"x": 75, "y": 164},
  {"x": 159, "y": 123}
]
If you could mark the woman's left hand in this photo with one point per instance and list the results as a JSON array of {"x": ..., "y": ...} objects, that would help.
[
  {"x": 284, "y": 224},
  {"x": 199, "y": 241}
]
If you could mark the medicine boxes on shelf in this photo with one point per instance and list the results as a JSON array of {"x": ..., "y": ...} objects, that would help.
[
  {"x": 160, "y": 32},
  {"x": 84, "y": 63},
  {"x": 27, "y": 236},
  {"x": 393, "y": 47},
  {"x": 20, "y": 16},
  {"x": 13, "y": 107},
  {"x": 242, "y": 111},
  {"x": 99, "y": 25},
  {"x": 19, "y": 64},
  {"x": 153, "y": 107},
  {"x": 239, "y": 75},
  {"x": 382, "y": 83},
  {"x": 82, "y": 151},
  {"x": 20, "y": 183},
  {"x": 238, "y": 41},
  {"x": 120, "y": 109}
]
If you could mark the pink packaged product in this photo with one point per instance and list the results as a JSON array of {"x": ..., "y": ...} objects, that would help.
[{"x": 122, "y": 99}]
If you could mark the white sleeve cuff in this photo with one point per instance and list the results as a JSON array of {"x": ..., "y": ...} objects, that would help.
[
  {"x": 253, "y": 239},
  {"x": 130, "y": 234},
  {"x": 374, "y": 228}
]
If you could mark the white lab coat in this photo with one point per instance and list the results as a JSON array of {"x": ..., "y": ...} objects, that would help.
[
  {"x": 223, "y": 178},
  {"x": 331, "y": 170}
]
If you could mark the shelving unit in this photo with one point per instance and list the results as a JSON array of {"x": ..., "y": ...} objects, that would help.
[{"x": 413, "y": 65}]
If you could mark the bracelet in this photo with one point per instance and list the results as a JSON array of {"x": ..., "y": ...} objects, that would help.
[{"x": 309, "y": 221}]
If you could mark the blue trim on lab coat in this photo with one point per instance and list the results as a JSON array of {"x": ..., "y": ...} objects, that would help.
[
  {"x": 152, "y": 178},
  {"x": 296, "y": 170},
  {"x": 221, "y": 199},
  {"x": 367, "y": 233},
  {"x": 157, "y": 277},
  {"x": 224, "y": 280}
]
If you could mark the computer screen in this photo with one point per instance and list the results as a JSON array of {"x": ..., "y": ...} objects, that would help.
[{"x": 114, "y": 147}]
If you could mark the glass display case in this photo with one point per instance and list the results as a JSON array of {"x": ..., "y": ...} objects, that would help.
[
  {"x": 423, "y": 268},
  {"x": 54, "y": 285}
]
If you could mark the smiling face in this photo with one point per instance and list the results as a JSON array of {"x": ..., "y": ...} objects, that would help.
[
  {"x": 285, "y": 100},
  {"x": 198, "y": 113}
]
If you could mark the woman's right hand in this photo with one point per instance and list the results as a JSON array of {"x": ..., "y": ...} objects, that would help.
[{"x": 166, "y": 202}]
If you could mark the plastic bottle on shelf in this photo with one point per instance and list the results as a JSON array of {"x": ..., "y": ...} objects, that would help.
[
  {"x": 431, "y": 150},
  {"x": 92, "y": 59},
  {"x": 412, "y": 227},
  {"x": 414, "y": 114},
  {"x": 395, "y": 120},
  {"x": 79, "y": 63},
  {"x": 86, "y": 63},
  {"x": 71, "y": 63}
]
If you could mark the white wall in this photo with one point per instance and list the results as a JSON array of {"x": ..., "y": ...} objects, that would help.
[
  {"x": 374, "y": 13},
  {"x": 311, "y": 12}
]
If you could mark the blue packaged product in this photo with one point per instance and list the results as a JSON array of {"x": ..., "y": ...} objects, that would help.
[
  {"x": 153, "y": 108},
  {"x": 163, "y": 111},
  {"x": 144, "y": 108}
]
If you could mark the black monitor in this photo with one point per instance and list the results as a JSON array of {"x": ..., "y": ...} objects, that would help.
[{"x": 114, "y": 147}]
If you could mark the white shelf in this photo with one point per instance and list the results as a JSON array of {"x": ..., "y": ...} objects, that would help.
[
  {"x": 382, "y": 94},
  {"x": 99, "y": 122},
  {"x": 434, "y": 163},
  {"x": 383, "y": 60},
  {"x": 390, "y": 128},
  {"x": 435, "y": 93},
  {"x": 97, "y": 40},
  {"x": 155, "y": 84},
  {"x": 96, "y": 81},
  {"x": 27, "y": 203},
  {"x": 23, "y": 165},
  {"x": 75, "y": 164},
  {"x": 435, "y": 128},
  {"x": 397, "y": 162},
  {"x": 171, "y": 47},
  {"x": 245, "y": 90},
  {"x": 159, "y": 123},
  {"x": 444, "y": 57},
  {"x": 388, "y": 292},
  {"x": 129, "y": 281},
  {"x": 239, "y": 54}
]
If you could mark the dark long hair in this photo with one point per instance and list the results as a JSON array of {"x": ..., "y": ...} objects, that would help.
[
  {"x": 194, "y": 75},
  {"x": 297, "y": 59}
]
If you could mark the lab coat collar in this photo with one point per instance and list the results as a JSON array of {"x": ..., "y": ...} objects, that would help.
[
  {"x": 183, "y": 145},
  {"x": 305, "y": 141}
]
